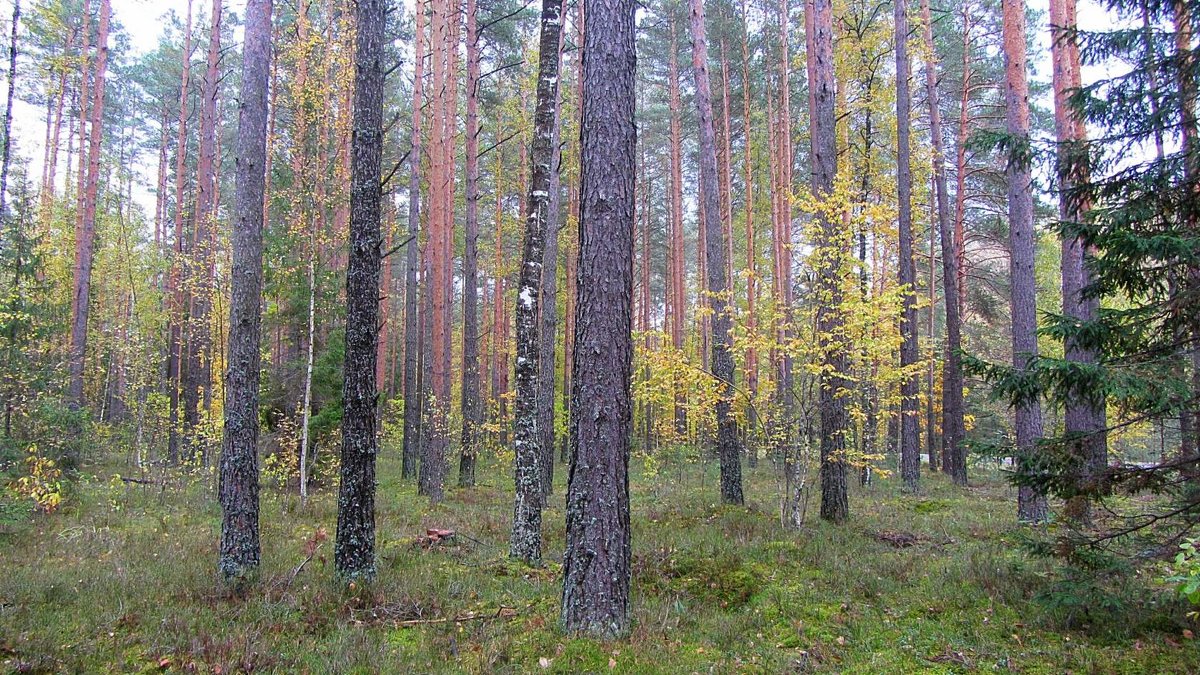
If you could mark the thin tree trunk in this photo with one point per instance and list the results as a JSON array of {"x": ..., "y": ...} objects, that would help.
[
  {"x": 411, "y": 451},
  {"x": 1031, "y": 506},
  {"x": 549, "y": 305},
  {"x": 85, "y": 239},
  {"x": 8, "y": 108},
  {"x": 1084, "y": 414},
  {"x": 175, "y": 314},
  {"x": 597, "y": 561},
  {"x": 729, "y": 449},
  {"x": 472, "y": 412},
  {"x": 240, "y": 549},
  {"x": 678, "y": 300},
  {"x": 526, "y": 541},
  {"x": 199, "y": 348},
  {"x": 831, "y": 252},
  {"x": 910, "y": 451},
  {"x": 354, "y": 552},
  {"x": 751, "y": 252},
  {"x": 953, "y": 428}
]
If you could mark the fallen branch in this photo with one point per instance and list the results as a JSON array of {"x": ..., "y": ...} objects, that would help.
[{"x": 502, "y": 613}]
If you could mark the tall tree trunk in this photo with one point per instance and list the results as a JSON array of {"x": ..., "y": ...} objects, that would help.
[
  {"x": 910, "y": 451},
  {"x": 175, "y": 314},
  {"x": 953, "y": 426},
  {"x": 1181, "y": 17},
  {"x": 239, "y": 454},
  {"x": 411, "y": 452},
  {"x": 678, "y": 299},
  {"x": 443, "y": 34},
  {"x": 472, "y": 412},
  {"x": 354, "y": 552},
  {"x": 597, "y": 561},
  {"x": 831, "y": 254},
  {"x": 85, "y": 237},
  {"x": 729, "y": 449},
  {"x": 199, "y": 347},
  {"x": 526, "y": 541},
  {"x": 1031, "y": 506},
  {"x": 751, "y": 252},
  {"x": 8, "y": 108},
  {"x": 1084, "y": 414},
  {"x": 549, "y": 305}
]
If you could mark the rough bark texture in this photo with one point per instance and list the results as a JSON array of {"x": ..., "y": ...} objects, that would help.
[
  {"x": 1083, "y": 416},
  {"x": 472, "y": 409},
  {"x": 411, "y": 450},
  {"x": 1031, "y": 506},
  {"x": 354, "y": 552},
  {"x": 953, "y": 428},
  {"x": 910, "y": 451},
  {"x": 597, "y": 561},
  {"x": 526, "y": 540},
  {"x": 175, "y": 313},
  {"x": 678, "y": 288},
  {"x": 751, "y": 265},
  {"x": 549, "y": 331},
  {"x": 197, "y": 383},
  {"x": 239, "y": 453},
  {"x": 1181, "y": 18},
  {"x": 834, "y": 501},
  {"x": 729, "y": 450},
  {"x": 85, "y": 235},
  {"x": 8, "y": 108}
]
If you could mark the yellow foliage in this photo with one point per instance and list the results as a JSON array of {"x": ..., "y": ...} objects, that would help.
[{"x": 43, "y": 484}]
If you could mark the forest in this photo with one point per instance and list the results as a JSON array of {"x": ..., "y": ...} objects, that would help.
[{"x": 670, "y": 336}]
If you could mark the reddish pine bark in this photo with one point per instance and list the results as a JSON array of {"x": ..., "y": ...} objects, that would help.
[{"x": 85, "y": 235}]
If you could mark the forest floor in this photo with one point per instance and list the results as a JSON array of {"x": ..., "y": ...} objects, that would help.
[{"x": 122, "y": 579}]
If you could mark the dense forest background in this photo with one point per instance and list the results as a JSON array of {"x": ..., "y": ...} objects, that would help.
[{"x": 883, "y": 258}]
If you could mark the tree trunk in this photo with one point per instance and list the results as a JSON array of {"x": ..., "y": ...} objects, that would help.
[
  {"x": 831, "y": 253},
  {"x": 412, "y": 335},
  {"x": 239, "y": 454},
  {"x": 678, "y": 292},
  {"x": 549, "y": 305},
  {"x": 354, "y": 552},
  {"x": 472, "y": 412},
  {"x": 175, "y": 313},
  {"x": 1084, "y": 413},
  {"x": 526, "y": 541},
  {"x": 751, "y": 265},
  {"x": 85, "y": 238},
  {"x": 953, "y": 426},
  {"x": 729, "y": 449},
  {"x": 199, "y": 346},
  {"x": 597, "y": 561},
  {"x": 8, "y": 108},
  {"x": 1031, "y": 506},
  {"x": 910, "y": 451}
]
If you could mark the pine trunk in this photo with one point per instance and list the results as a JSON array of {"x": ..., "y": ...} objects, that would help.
[
  {"x": 832, "y": 253},
  {"x": 240, "y": 549},
  {"x": 354, "y": 552},
  {"x": 729, "y": 451},
  {"x": 411, "y": 451},
  {"x": 910, "y": 451},
  {"x": 472, "y": 412},
  {"x": 597, "y": 561},
  {"x": 1031, "y": 506},
  {"x": 85, "y": 238}
]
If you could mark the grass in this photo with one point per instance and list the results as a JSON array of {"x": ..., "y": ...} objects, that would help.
[{"x": 123, "y": 579}]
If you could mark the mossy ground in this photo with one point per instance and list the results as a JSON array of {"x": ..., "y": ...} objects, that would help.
[{"x": 123, "y": 579}]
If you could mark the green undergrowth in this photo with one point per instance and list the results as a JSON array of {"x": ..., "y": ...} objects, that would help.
[{"x": 123, "y": 579}]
